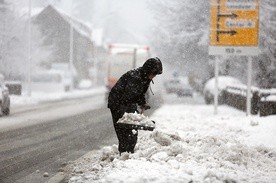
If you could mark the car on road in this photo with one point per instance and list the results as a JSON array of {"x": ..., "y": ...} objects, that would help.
[
  {"x": 4, "y": 98},
  {"x": 85, "y": 84},
  {"x": 49, "y": 81},
  {"x": 223, "y": 82},
  {"x": 185, "y": 90},
  {"x": 179, "y": 86}
]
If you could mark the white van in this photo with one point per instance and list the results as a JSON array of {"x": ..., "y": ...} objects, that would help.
[{"x": 69, "y": 75}]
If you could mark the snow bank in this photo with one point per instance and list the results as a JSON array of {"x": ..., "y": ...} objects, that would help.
[
  {"x": 223, "y": 82},
  {"x": 38, "y": 97},
  {"x": 189, "y": 144}
]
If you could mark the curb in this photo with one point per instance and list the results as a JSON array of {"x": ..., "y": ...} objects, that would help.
[
  {"x": 58, "y": 178},
  {"x": 61, "y": 176}
]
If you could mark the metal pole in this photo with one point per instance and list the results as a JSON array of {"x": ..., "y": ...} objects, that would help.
[
  {"x": 71, "y": 54},
  {"x": 216, "y": 85},
  {"x": 134, "y": 58},
  {"x": 95, "y": 60},
  {"x": 29, "y": 91},
  {"x": 149, "y": 54},
  {"x": 249, "y": 79}
]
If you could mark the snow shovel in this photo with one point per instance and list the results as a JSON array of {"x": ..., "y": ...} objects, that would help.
[{"x": 136, "y": 121}]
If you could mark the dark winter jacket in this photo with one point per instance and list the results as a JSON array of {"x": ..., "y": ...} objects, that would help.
[{"x": 129, "y": 89}]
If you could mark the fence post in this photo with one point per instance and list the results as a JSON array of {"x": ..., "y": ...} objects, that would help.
[{"x": 255, "y": 102}]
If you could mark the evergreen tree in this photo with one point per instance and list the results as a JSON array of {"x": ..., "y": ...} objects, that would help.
[{"x": 182, "y": 32}]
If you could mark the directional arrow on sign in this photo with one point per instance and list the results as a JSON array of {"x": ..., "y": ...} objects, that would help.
[
  {"x": 231, "y": 32},
  {"x": 220, "y": 15},
  {"x": 232, "y": 15}
]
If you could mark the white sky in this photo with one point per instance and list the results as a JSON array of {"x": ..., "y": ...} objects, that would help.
[{"x": 132, "y": 17}]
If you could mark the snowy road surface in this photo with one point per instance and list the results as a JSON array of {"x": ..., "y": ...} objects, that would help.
[
  {"x": 189, "y": 144},
  {"x": 40, "y": 139}
]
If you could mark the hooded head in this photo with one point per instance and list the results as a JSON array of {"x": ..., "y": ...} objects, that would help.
[{"x": 153, "y": 66}]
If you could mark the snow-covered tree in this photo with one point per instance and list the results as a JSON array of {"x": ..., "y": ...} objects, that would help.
[
  {"x": 181, "y": 38},
  {"x": 181, "y": 35},
  {"x": 14, "y": 42},
  {"x": 266, "y": 62},
  {"x": 10, "y": 45}
]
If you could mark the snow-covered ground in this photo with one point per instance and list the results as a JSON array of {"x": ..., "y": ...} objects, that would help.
[{"x": 189, "y": 144}]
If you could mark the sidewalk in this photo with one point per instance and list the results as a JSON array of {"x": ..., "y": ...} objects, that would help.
[{"x": 189, "y": 143}]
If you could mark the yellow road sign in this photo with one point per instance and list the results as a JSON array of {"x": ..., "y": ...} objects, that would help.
[{"x": 234, "y": 23}]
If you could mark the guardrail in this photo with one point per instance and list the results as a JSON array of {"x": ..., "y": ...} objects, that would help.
[
  {"x": 267, "y": 102},
  {"x": 263, "y": 102}
]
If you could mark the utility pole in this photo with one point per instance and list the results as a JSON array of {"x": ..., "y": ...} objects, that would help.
[
  {"x": 216, "y": 85},
  {"x": 134, "y": 58},
  {"x": 29, "y": 70},
  {"x": 71, "y": 54},
  {"x": 249, "y": 82}
]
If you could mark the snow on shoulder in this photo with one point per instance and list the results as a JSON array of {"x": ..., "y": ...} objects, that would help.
[{"x": 189, "y": 144}]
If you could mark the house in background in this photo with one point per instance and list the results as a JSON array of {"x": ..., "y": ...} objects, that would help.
[{"x": 54, "y": 26}]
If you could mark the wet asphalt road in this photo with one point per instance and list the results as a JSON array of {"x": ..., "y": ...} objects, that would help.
[{"x": 26, "y": 153}]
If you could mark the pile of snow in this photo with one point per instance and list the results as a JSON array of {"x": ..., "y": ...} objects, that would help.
[
  {"x": 223, "y": 82},
  {"x": 189, "y": 144},
  {"x": 271, "y": 94}
]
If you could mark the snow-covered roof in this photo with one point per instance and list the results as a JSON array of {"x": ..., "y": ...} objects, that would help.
[
  {"x": 23, "y": 12},
  {"x": 81, "y": 27}
]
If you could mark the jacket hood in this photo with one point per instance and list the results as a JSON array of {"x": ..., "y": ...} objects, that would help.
[{"x": 153, "y": 66}]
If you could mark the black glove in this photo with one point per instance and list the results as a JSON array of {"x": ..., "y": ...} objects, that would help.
[{"x": 145, "y": 107}]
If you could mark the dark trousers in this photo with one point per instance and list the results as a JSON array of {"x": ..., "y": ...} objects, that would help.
[{"x": 127, "y": 140}]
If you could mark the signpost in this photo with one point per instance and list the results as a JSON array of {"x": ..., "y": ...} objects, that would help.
[{"x": 234, "y": 29}]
